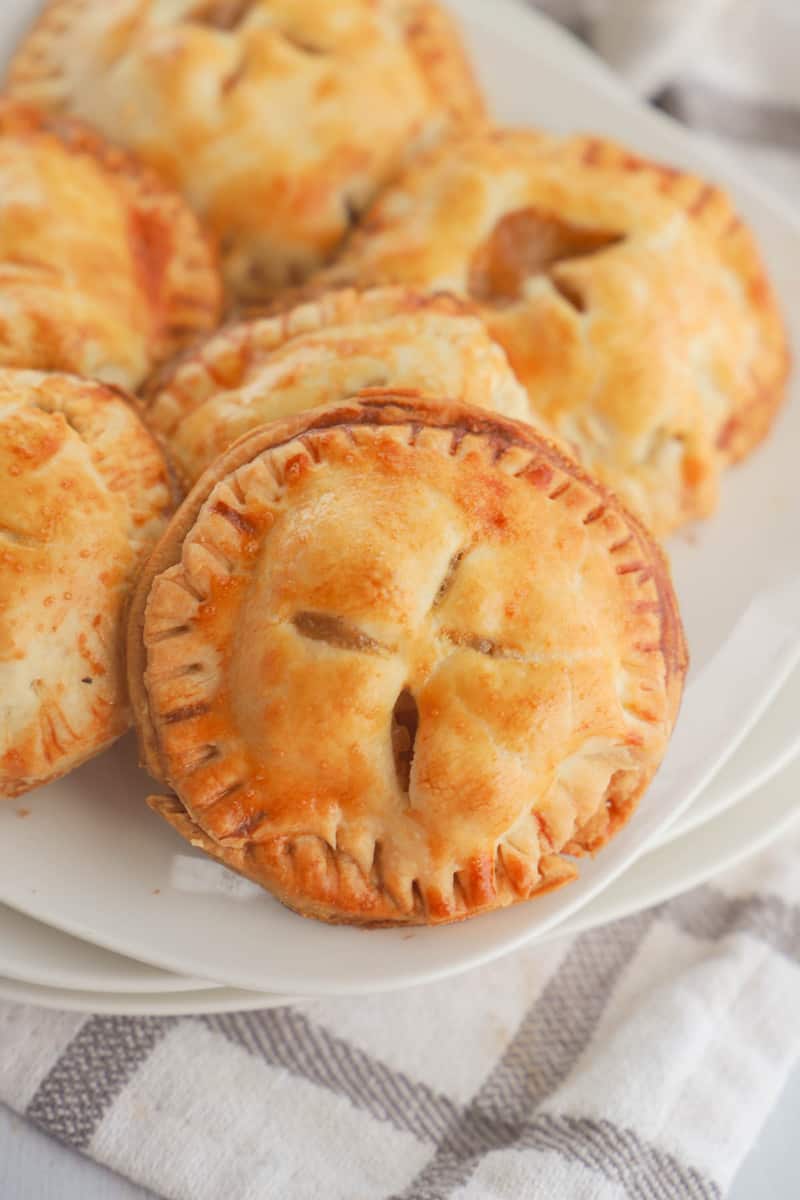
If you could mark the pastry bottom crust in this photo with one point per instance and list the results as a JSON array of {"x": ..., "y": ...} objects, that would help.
[
  {"x": 11, "y": 790},
  {"x": 555, "y": 870}
]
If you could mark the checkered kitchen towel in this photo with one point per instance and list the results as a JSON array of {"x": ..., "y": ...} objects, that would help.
[{"x": 639, "y": 1060}]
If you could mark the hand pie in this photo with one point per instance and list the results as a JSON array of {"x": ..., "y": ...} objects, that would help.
[
  {"x": 104, "y": 272},
  {"x": 395, "y": 658},
  {"x": 256, "y": 371},
  {"x": 629, "y": 297},
  {"x": 279, "y": 119},
  {"x": 84, "y": 495}
]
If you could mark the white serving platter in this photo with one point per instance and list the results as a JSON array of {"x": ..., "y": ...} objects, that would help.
[
  {"x": 140, "y": 1004},
  {"x": 35, "y": 953},
  {"x": 771, "y": 746},
  {"x": 728, "y": 839},
  {"x": 92, "y": 860}
]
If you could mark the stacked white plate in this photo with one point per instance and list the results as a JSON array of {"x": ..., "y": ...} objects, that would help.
[{"x": 103, "y": 909}]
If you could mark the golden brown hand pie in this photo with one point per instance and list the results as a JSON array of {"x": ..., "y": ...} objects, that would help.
[
  {"x": 396, "y": 657},
  {"x": 103, "y": 270},
  {"x": 630, "y": 298},
  {"x": 325, "y": 350},
  {"x": 280, "y": 119},
  {"x": 84, "y": 494}
]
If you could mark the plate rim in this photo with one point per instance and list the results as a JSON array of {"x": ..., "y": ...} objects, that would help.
[
  {"x": 171, "y": 982},
  {"x": 229, "y": 999},
  {"x": 693, "y": 820},
  {"x": 41, "y": 973}
]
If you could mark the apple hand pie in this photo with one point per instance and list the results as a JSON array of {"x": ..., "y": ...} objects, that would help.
[
  {"x": 630, "y": 298},
  {"x": 257, "y": 371},
  {"x": 104, "y": 271},
  {"x": 84, "y": 496},
  {"x": 399, "y": 660},
  {"x": 279, "y": 119}
]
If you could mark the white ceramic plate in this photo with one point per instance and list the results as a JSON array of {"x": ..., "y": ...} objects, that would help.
[
  {"x": 723, "y": 842},
  {"x": 90, "y": 859},
  {"x": 138, "y": 1004},
  {"x": 32, "y": 952},
  {"x": 770, "y": 747}
]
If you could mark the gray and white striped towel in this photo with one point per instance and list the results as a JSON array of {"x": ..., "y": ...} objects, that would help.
[{"x": 639, "y": 1060}]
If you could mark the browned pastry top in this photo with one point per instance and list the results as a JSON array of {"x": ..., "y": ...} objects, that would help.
[
  {"x": 396, "y": 656},
  {"x": 83, "y": 496},
  {"x": 630, "y": 298},
  {"x": 258, "y": 370},
  {"x": 279, "y": 119},
  {"x": 104, "y": 270}
]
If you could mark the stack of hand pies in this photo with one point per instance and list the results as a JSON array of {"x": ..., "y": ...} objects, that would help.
[{"x": 407, "y": 648}]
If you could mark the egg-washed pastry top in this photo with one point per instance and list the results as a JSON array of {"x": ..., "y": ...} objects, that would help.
[
  {"x": 629, "y": 296},
  {"x": 395, "y": 658},
  {"x": 280, "y": 119},
  {"x": 104, "y": 270},
  {"x": 83, "y": 496},
  {"x": 258, "y": 370}
]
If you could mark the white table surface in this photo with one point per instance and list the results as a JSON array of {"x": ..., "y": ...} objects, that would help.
[{"x": 34, "y": 1167}]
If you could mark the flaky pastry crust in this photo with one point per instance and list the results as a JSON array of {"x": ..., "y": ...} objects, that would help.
[
  {"x": 104, "y": 271},
  {"x": 83, "y": 496},
  {"x": 279, "y": 119},
  {"x": 630, "y": 298},
  {"x": 396, "y": 658},
  {"x": 324, "y": 350}
]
